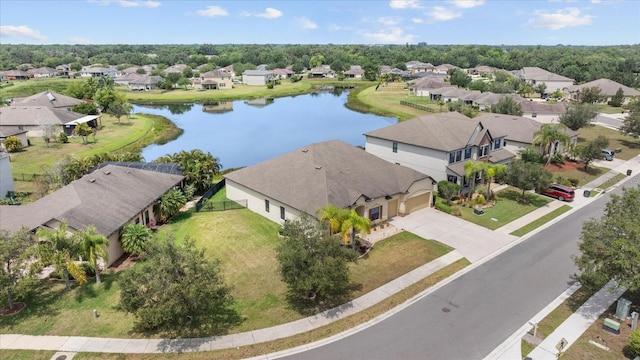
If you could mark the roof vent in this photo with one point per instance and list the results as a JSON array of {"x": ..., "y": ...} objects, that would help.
[
  {"x": 305, "y": 150},
  {"x": 107, "y": 172},
  {"x": 318, "y": 167},
  {"x": 51, "y": 97},
  {"x": 92, "y": 180}
]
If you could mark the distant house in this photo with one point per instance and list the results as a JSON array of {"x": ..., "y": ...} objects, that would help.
[
  {"x": 439, "y": 145},
  {"x": 424, "y": 86},
  {"x": 91, "y": 71},
  {"x": 481, "y": 70},
  {"x": 144, "y": 82},
  {"x": 63, "y": 70},
  {"x": 108, "y": 198},
  {"x": 486, "y": 100},
  {"x": 329, "y": 173},
  {"x": 518, "y": 131},
  {"x": 48, "y": 99},
  {"x": 214, "y": 80},
  {"x": 33, "y": 118},
  {"x": 283, "y": 73},
  {"x": 355, "y": 72},
  {"x": 542, "y": 112},
  {"x": 257, "y": 77},
  {"x": 444, "y": 68},
  {"x": 12, "y": 75},
  {"x": 418, "y": 67},
  {"x": 608, "y": 89},
  {"x": 536, "y": 75},
  {"x": 42, "y": 72},
  {"x": 322, "y": 71},
  {"x": 177, "y": 68}
]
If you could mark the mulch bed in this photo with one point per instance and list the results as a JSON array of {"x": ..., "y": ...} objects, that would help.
[
  {"x": 125, "y": 261},
  {"x": 17, "y": 307},
  {"x": 565, "y": 166}
]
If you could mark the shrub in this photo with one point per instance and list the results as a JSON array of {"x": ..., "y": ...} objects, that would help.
[
  {"x": 456, "y": 211},
  {"x": 633, "y": 344},
  {"x": 574, "y": 181},
  {"x": 557, "y": 158},
  {"x": 442, "y": 206},
  {"x": 479, "y": 199},
  {"x": 13, "y": 144},
  {"x": 270, "y": 85},
  {"x": 63, "y": 138}
]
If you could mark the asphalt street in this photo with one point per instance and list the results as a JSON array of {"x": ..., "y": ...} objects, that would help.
[{"x": 470, "y": 316}]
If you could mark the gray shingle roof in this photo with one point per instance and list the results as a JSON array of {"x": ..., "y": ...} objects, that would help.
[
  {"x": 539, "y": 74},
  {"x": 36, "y": 115},
  {"x": 513, "y": 128},
  {"x": 442, "y": 131},
  {"x": 330, "y": 172},
  {"x": 607, "y": 87},
  {"x": 106, "y": 198},
  {"x": 48, "y": 99}
]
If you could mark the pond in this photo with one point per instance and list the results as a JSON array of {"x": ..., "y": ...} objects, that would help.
[{"x": 243, "y": 133}]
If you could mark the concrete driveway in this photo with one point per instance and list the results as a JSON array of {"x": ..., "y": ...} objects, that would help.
[
  {"x": 472, "y": 241},
  {"x": 609, "y": 164}
]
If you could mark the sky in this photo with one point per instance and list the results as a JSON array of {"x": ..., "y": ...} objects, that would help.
[{"x": 487, "y": 22}]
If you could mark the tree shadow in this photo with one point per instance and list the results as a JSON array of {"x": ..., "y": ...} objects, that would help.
[
  {"x": 330, "y": 306},
  {"x": 630, "y": 144},
  {"x": 40, "y": 302}
]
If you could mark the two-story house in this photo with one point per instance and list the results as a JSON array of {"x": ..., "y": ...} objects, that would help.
[
  {"x": 439, "y": 145},
  {"x": 214, "y": 80},
  {"x": 536, "y": 75}
]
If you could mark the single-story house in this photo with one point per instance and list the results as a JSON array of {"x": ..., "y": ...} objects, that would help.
[
  {"x": 144, "y": 82},
  {"x": 177, "y": 68},
  {"x": 481, "y": 70},
  {"x": 322, "y": 71},
  {"x": 108, "y": 198},
  {"x": 608, "y": 88},
  {"x": 214, "y": 80},
  {"x": 329, "y": 173},
  {"x": 418, "y": 67},
  {"x": 283, "y": 73},
  {"x": 32, "y": 118},
  {"x": 518, "y": 131},
  {"x": 536, "y": 75},
  {"x": 444, "y": 69},
  {"x": 93, "y": 71},
  {"x": 439, "y": 145},
  {"x": 542, "y": 111},
  {"x": 42, "y": 72},
  {"x": 11, "y": 75},
  {"x": 424, "y": 86},
  {"x": 48, "y": 99},
  {"x": 257, "y": 77},
  {"x": 355, "y": 72}
]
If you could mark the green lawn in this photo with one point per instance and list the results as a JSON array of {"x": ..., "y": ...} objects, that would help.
[
  {"x": 245, "y": 244},
  {"x": 386, "y": 101},
  {"x": 630, "y": 146},
  {"x": 505, "y": 210},
  {"x": 579, "y": 173},
  {"x": 541, "y": 221},
  {"x": 26, "y": 354},
  {"x": 609, "y": 183}
]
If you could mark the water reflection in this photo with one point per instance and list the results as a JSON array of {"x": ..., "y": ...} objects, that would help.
[{"x": 241, "y": 134}]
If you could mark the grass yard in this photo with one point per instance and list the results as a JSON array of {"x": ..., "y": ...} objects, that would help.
[
  {"x": 541, "y": 221},
  {"x": 26, "y": 354},
  {"x": 33, "y": 86},
  {"x": 386, "y": 101},
  {"x": 609, "y": 183},
  {"x": 630, "y": 146},
  {"x": 506, "y": 209},
  {"x": 574, "y": 170}
]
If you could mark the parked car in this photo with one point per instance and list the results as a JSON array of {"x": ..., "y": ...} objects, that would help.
[
  {"x": 560, "y": 192},
  {"x": 608, "y": 154}
]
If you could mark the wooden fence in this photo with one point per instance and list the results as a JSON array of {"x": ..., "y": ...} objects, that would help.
[{"x": 417, "y": 106}]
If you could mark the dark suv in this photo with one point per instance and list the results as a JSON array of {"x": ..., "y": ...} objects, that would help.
[{"x": 560, "y": 192}]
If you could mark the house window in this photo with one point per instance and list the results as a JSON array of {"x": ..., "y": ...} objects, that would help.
[
  {"x": 266, "y": 205},
  {"x": 497, "y": 143},
  {"x": 483, "y": 150},
  {"x": 452, "y": 179},
  {"x": 467, "y": 153},
  {"x": 282, "y": 212},
  {"x": 374, "y": 213},
  {"x": 395, "y": 146},
  {"x": 145, "y": 218},
  {"x": 455, "y": 156}
]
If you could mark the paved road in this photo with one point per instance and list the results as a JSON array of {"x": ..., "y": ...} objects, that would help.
[{"x": 470, "y": 316}]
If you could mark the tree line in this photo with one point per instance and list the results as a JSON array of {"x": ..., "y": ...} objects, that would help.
[{"x": 582, "y": 63}]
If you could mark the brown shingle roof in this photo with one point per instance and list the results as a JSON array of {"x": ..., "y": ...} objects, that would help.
[
  {"x": 607, "y": 87},
  {"x": 330, "y": 172},
  {"x": 48, "y": 99},
  {"x": 442, "y": 131}
]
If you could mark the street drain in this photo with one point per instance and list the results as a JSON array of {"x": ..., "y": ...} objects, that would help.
[
  {"x": 62, "y": 357},
  {"x": 446, "y": 309}
]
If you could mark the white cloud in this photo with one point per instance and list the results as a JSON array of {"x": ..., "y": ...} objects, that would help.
[
  {"x": 440, "y": 13},
  {"x": 129, "y": 3},
  {"x": 270, "y": 13},
  {"x": 390, "y": 36},
  {"x": 80, "y": 40},
  {"x": 306, "y": 23},
  {"x": 417, "y": 21},
  {"x": 21, "y": 31},
  {"x": 387, "y": 21},
  {"x": 336, "y": 27},
  {"x": 212, "y": 11},
  {"x": 404, "y": 4},
  {"x": 466, "y": 4},
  {"x": 559, "y": 19}
]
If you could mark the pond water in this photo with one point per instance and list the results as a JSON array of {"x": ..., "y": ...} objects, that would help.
[{"x": 243, "y": 133}]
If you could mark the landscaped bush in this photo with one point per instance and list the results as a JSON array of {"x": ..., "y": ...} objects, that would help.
[
  {"x": 633, "y": 344},
  {"x": 442, "y": 206},
  {"x": 479, "y": 199},
  {"x": 574, "y": 181},
  {"x": 13, "y": 144},
  {"x": 63, "y": 138},
  {"x": 456, "y": 211}
]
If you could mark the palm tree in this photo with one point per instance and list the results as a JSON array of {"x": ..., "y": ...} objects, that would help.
[
  {"x": 333, "y": 215},
  {"x": 353, "y": 223},
  {"x": 491, "y": 171},
  {"x": 548, "y": 136},
  {"x": 93, "y": 245},
  {"x": 135, "y": 237},
  {"x": 171, "y": 202},
  {"x": 59, "y": 247},
  {"x": 471, "y": 168}
]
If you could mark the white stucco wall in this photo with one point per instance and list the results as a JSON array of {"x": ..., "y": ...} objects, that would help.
[
  {"x": 256, "y": 202},
  {"x": 555, "y": 85},
  {"x": 427, "y": 161},
  {"x": 254, "y": 79}
]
